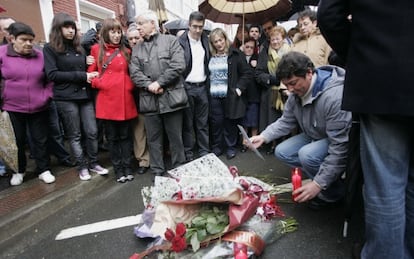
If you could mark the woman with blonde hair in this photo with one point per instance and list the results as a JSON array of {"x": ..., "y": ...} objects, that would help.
[{"x": 229, "y": 74}]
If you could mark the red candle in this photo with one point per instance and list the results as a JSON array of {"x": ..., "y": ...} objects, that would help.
[
  {"x": 296, "y": 180},
  {"x": 241, "y": 255},
  {"x": 240, "y": 251}
]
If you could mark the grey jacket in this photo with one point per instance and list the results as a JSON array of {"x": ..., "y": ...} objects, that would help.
[
  {"x": 160, "y": 59},
  {"x": 321, "y": 117}
]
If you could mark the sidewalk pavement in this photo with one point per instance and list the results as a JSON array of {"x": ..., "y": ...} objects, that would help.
[{"x": 25, "y": 205}]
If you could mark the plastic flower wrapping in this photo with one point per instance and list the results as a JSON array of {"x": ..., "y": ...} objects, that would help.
[{"x": 206, "y": 210}]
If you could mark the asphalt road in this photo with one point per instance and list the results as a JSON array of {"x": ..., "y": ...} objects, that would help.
[{"x": 319, "y": 234}]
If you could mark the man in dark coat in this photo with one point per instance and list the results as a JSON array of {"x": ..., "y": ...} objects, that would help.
[
  {"x": 376, "y": 43},
  {"x": 156, "y": 68},
  {"x": 197, "y": 55}
]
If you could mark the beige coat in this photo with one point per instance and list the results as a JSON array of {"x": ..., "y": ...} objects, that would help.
[{"x": 315, "y": 47}]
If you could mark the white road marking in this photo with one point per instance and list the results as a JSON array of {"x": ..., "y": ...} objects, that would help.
[{"x": 99, "y": 227}]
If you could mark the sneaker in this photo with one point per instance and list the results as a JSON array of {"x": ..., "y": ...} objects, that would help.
[
  {"x": 84, "y": 174},
  {"x": 99, "y": 170},
  {"x": 47, "y": 177},
  {"x": 121, "y": 179},
  {"x": 16, "y": 179},
  {"x": 129, "y": 177}
]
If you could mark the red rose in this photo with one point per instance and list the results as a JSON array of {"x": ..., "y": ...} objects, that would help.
[
  {"x": 178, "y": 244},
  {"x": 169, "y": 234},
  {"x": 180, "y": 229}
]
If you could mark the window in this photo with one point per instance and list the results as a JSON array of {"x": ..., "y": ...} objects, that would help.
[{"x": 91, "y": 13}]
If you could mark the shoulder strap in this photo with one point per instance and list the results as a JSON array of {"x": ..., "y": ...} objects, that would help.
[{"x": 105, "y": 65}]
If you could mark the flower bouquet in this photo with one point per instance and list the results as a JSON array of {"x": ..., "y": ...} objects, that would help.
[{"x": 208, "y": 207}]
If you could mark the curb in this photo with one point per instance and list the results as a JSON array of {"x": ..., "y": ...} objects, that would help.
[{"x": 16, "y": 222}]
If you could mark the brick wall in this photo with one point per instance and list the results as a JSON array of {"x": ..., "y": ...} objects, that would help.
[{"x": 69, "y": 7}]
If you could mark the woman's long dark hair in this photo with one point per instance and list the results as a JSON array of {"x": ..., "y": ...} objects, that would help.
[
  {"x": 107, "y": 25},
  {"x": 56, "y": 39}
]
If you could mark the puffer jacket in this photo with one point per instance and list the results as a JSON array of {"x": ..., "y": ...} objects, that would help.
[
  {"x": 160, "y": 59},
  {"x": 24, "y": 85},
  {"x": 321, "y": 117}
]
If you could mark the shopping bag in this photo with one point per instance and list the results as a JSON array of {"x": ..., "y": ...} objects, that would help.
[{"x": 8, "y": 147}]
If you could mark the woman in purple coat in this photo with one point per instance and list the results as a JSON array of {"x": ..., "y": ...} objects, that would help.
[{"x": 25, "y": 96}]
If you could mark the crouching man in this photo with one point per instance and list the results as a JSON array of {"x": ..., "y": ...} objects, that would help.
[{"x": 314, "y": 105}]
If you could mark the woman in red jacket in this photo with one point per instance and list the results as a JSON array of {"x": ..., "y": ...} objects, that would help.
[{"x": 115, "y": 101}]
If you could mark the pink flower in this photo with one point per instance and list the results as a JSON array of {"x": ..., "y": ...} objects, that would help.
[{"x": 234, "y": 171}]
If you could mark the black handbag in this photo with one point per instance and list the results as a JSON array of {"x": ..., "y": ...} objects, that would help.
[
  {"x": 177, "y": 97},
  {"x": 147, "y": 102}
]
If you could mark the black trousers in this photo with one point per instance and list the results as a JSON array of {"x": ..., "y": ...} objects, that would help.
[
  {"x": 195, "y": 122},
  {"x": 224, "y": 131},
  {"x": 172, "y": 124},
  {"x": 37, "y": 125},
  {"x": 119, "y": 136}
]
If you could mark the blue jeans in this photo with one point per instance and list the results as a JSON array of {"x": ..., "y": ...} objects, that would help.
[
  {"x": 387, "y": 158},
  {"x": 74, "y": 115},
  {"x": 301, "y": 151}
]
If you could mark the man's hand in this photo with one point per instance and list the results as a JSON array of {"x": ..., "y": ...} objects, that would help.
[
  {"x": 257, "y": 140},
  {"x": 307, "y": 192},
  {"x": 155, "y": 88}
]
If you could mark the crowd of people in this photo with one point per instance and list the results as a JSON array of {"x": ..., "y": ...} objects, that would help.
[
  {"x": 117, "y": 88},
  {"x": 150, "y": 94}
]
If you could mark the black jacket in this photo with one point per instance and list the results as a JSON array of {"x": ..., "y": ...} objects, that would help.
[
  {"x": 377, "y": 47},
  {"x": 185, "y": 43},
  {"x": 239, "y": 76},
  {"x": 68, "y": 72}
]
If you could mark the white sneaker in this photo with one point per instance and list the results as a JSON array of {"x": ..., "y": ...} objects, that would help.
[
  {"x": 47, "y": 177},
  {"x": 16, "y": 179},
  {"x": 99, "y": 170},
  {"x": 84, "y": 174}
]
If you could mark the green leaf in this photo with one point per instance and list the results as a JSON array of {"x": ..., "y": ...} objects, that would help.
[
  {"x": 195, "y": 244},
  {"x": 201, "y": 234},
  {"x": 199, "y": 222},
  {"x": 212, "y": 220},
  {"x": 214, "y": 229},
  {"x": 223, "y": 218}
]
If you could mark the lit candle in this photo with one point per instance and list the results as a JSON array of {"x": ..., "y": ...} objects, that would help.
[{"x": 296, "y": 180}]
